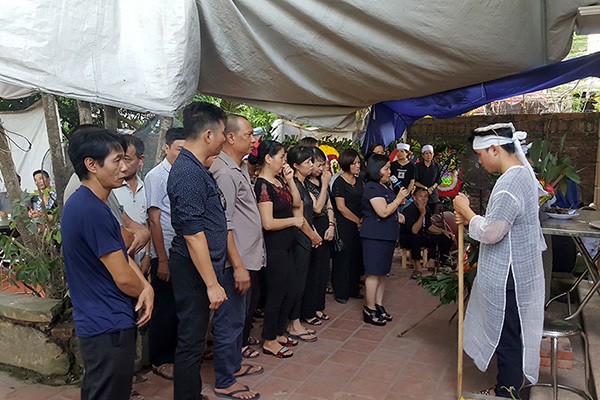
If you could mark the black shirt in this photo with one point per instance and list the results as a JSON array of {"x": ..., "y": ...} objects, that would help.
[
  {"x": 196, "y": 206},
  {"x": 411, "y": 215},
  {"x": 429, "y": 176},
  {"x": 373, "y": 226},
  {"x": 352, "y": 195},
  {"x": 405, "y": 173},
  {"x": 282, "y": 201}
]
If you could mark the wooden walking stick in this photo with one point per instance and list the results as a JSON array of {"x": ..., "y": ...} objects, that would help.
[{"x": 461, "y": 305}]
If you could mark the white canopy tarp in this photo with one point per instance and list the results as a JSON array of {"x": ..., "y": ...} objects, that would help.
[
  {"x": 28, "y": 142},
  {"x": 312, "y": 60}
]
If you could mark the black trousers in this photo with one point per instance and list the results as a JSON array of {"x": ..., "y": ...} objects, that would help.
[
  {"x": 252, "y": 298},
  {"x": 162, "y": 336},
  {"x": 415, "y": 242},
  {"x": 347, "y": 264},
  {"x": 509, "y": 353},
  {"x": 318, "y": 273},
  {"x": 301, "y": 264},
  {"x": 191, "y": 301},
  {"x": 278, "y": 276},
  {"x": 108, "y": 365}
]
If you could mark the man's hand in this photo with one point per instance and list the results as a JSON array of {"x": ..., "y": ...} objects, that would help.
[
  {"x": 216, "y": 296},
  {"x": 145, "y": 303},
  {"x": 241, "y": 276},
  {"x": 140, "y": 238},
  {"x": 461, "y": 208},
  {"x": 422, "y": 207},
  {"x": 162, "y": 272},
  {"x": 145, "y": 264}
]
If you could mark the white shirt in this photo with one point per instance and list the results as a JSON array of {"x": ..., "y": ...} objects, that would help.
[{"x": 134, "y": 204}]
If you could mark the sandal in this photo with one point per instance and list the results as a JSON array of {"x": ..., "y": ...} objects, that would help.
[
  {"x": 283, "y": 352},
  {"x": 289, "y": 343},
  {"x": 383, "y": 314},
  {"x": 372, "y": 317},
  {"x": 313, "y": 321},
  {"x": 323, "y": 316},
  {"x": 303, "y": 336},
  {"x": 329, "y": 290},
  {"x": 415, "y": 275},
  {"x": 247, "y": 370},
  {"x": 232, "y": 394},
  {"x": 252, "y": 341},
  {"x": 249, "y": 352},
  {"x": 164, "y": 371}
]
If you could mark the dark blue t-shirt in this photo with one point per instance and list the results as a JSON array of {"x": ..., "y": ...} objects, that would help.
[
  {"x": 197, "y": 205},
  {"x": 373, "y": 226},
  {"x": 90, "y": 231}
]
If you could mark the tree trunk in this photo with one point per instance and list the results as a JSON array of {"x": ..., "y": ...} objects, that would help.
[
  {"x": 85, "y": 112},
  {"x": 111, "y": 117},
  {"x": 62, "y": 170},
  {"x": 9, "y": 173},
  {"x": 165, "y": 124}
]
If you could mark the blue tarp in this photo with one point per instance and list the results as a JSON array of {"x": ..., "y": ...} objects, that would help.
[{"x": 389, "y": 119}]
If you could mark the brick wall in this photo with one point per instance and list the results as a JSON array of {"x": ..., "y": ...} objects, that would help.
[{"x": 581, "y": 130}]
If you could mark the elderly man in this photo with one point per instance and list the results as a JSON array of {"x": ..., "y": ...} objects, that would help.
[{"x": 245, "y": 257}]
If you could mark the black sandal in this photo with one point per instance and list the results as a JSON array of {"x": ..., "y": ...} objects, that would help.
[
  {"x": 382, "y": 313},
  {"x": 372, "y": 317},
  {"x": 313, "y": 321}
]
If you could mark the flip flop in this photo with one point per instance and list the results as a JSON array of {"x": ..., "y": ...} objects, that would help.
[
  {"x": 415, "y": 275},
  {"x": 252, "y": 340},
  {"x": 231, "y": 394},
  {"x": 249, "y": 352},
  {"x": 283, "y": 352},
  {"x": 163, "y": 372},
  {"x": 246, "y": 370},
  {"x": 302, "y": 336}
]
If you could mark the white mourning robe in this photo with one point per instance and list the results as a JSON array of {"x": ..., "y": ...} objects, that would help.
[{"x": 511, "y": 238}]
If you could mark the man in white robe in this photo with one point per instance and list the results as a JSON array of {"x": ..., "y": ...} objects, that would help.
[{"x": 505, "y": 313}]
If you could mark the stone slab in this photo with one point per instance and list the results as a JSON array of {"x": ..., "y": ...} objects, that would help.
[
  {"x": 26, "y": 347},
  {"x": 28, "y": 308}
]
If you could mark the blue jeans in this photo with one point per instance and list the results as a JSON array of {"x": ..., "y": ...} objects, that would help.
[{"x": 228, "y": 326}]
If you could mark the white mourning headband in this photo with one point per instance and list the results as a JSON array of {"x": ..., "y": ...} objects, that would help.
[{"x": 484, "y": 142}]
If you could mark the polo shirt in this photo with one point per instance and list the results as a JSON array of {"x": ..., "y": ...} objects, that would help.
[{"x": 196, "y": 206}]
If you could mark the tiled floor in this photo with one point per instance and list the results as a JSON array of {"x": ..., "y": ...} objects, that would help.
[{"x": 351, "y": 360}]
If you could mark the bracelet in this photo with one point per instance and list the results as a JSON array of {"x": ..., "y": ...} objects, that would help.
[{"x": 331, "y": 223}]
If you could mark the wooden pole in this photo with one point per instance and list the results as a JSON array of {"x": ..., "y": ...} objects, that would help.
[
  {"x": 461, "y": 306},
  {"x": 597, "y": 177}
]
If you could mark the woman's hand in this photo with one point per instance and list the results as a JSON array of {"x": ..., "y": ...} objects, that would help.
[
  {"x": 316, "y": 240},
  {"x": 329, "y": 233},
  {"x": 401, "y": 218},
  {"x": 402, "y": 194},
  {"x": 288, "y": 173},
  {"x": 325, "y": 178}
]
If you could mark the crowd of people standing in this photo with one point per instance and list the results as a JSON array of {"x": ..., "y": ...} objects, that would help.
[{"x": 223, "y": 238}]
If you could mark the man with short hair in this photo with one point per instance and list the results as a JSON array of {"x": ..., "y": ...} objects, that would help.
[
  {"x": 44, "y": 198},
  {"x": 199, "y": 247},
  {"x": 131, "y": 195},
  {"x": 163, "y": 326},
  {"x": 245, "y": 258},
  {"x": 103, "y": 281}
]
